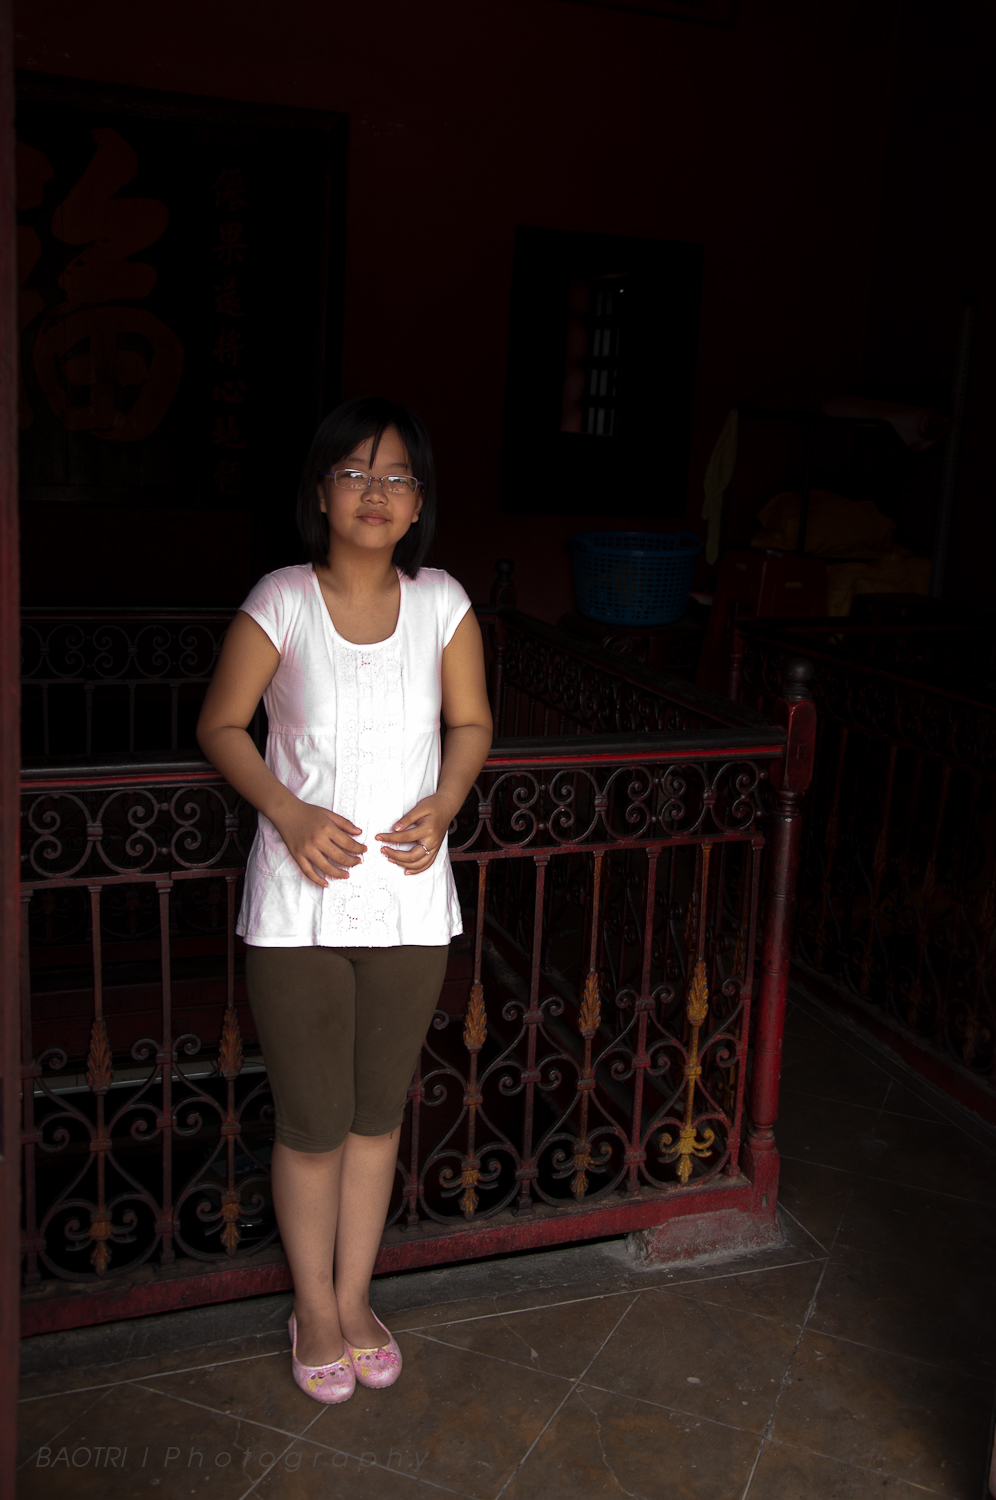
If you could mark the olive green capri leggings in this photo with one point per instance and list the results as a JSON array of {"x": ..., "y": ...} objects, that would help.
[{"x": 340, "y": 1030}]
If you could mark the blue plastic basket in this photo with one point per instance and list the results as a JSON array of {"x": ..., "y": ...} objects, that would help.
[{"x": 633, "y": 577}]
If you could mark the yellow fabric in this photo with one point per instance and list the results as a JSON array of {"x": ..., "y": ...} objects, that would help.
[
  {"x": 719, "y": 472},
  {"x": 835, "y": 525},
  {"x": 897, "y": 571}
]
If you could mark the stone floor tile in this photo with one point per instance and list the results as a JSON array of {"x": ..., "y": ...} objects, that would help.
[
  {"x": 785, "y": 1473},
  {"x": 97, "y": 1377},
  {"x": 624, "y": 1284},
  {"x": 915, "y": 1225},
  {"x": 883, "y": 1412},
  {"x": 825, "y": 1065},
  {"x": 832, "y": 1134},
  {"x": 799, "y": 1238},
  {"x": 260, "y": 1390},
  {"x": 602, "y": 1444},
  {"x": 464, "y": 1420},
  {"x": 39, "y": 1423},
  {"x": 784, "y": 1294},
  {"x": 717, "y": 1270},
  {"x": 897, "y": 1306},
  {"x": 456, "y": 1311},
  {"x": 935, "y": 1156},
  {"x": 708, "y": 1361},
  {"x": 157, "y": 1334},
  {"x": 819, "y": 1249},
  {"x": 429, "y": 1320},
  {"x": 515, "y": 1275},
  {"x": 617, "y": 1272},
  {"x": 802, "y": 1028},
  {"x": 750, "y": 1267},
  {"x": 800, "y": 1023},
  {"x": 560, "y": 1340},
  {"x": 884, "y": 1147},
  {"x": 617, "y": 1288},
  {"x": 132, "y": 1438},
  {"x": 629, "y": 1274},
  {"x": 815, "y": 1195},
  {"x": 309, "y": 1471},
  {"x": 903, "y": 1101}
]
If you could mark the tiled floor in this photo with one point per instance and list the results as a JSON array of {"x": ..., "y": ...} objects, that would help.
[{"x": 857, "y": 1361}]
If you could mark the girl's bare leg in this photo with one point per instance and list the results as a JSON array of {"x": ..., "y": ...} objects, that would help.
[
  {"x": 306, "y": 1200},
  {"x": 334, "y": 1199},
  {"x": 366, "y": 1177}
]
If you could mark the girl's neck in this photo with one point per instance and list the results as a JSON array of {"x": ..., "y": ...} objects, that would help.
[{"x": 353, "y": 575}]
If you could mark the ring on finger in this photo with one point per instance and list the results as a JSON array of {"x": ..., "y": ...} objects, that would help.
[{"x": 422, "y": 846}]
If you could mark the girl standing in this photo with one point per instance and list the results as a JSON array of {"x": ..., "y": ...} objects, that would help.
[{"x": 349, "y": 901}]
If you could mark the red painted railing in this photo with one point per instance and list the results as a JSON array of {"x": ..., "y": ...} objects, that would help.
[
  {"x": 587, "y": 1071},
  {"x": 898, "y": 873}
]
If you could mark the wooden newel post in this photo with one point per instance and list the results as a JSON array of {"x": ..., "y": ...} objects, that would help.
[
  {"x": 503, "y": 588},
  {"x": 795, "y": 711},
  {"x": 736, "y": 666},
  {"x": 502, "y": 597}
]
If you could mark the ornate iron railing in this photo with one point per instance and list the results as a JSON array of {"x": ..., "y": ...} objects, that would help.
[
  {"x": 115, "y": 681},
  {"x": 545, "y": 681},
  {"x": 898, "y": 886},
  {"x": 586, "y": 1069}
]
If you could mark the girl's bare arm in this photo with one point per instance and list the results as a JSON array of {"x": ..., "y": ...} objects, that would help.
[
  {"x": 467, "y": 716},
  {"x": 318, "y": 838}
]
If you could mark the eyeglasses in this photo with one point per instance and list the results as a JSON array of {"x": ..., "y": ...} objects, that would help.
[{"x": 391, "y": 484}]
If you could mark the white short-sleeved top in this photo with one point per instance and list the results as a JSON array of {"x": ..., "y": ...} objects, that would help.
[{"x": 354, "y": 729}]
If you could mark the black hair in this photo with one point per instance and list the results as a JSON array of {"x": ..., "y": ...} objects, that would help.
[{"x": 339, "y": 435}]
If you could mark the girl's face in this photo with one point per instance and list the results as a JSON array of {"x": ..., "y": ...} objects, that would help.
[{"x": 370, "y": 518}]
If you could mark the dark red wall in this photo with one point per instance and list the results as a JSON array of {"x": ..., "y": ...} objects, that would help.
[
  {"x": 937, "y": 252},
  {"x": 765, "y": 142}
]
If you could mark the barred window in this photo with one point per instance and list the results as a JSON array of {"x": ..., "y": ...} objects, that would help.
[
  {"x": 594, "y": 349},
  {"x": 603, "y": 333}
]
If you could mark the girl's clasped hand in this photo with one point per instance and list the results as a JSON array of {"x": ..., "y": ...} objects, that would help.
[
  {"x": 324, "y": 844},
  {"x": 424, "y": 827}
]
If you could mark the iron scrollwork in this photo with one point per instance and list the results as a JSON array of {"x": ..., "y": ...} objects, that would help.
[{"x": 590, "y": 1041}]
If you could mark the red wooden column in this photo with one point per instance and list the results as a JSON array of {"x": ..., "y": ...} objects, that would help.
[
  {"x": 794, "y": 710},
  {"x": 10, "y": 757}
]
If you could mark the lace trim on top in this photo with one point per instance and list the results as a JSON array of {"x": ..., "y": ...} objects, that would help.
[{"x": 369, "y": 761}]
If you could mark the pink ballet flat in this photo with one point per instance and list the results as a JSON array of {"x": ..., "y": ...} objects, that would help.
[
  {"x": 376, "y": 1368},
  {"x": 329, "y": 1384}
]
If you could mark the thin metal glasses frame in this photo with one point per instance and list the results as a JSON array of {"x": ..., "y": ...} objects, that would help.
[{"x": 406, "y": 479}]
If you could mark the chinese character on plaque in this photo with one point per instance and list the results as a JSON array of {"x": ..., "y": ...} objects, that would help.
[
  {"x": 229, "y": 190},
  {"x": 228, "y": 477},
  {"x": 231, "y": 246},
  {"x": 228, "y": 302},
  {"x": 232, "y": 391},
  {"x": 227, "y": 433},
  {"x": 229, "y": 346}
]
